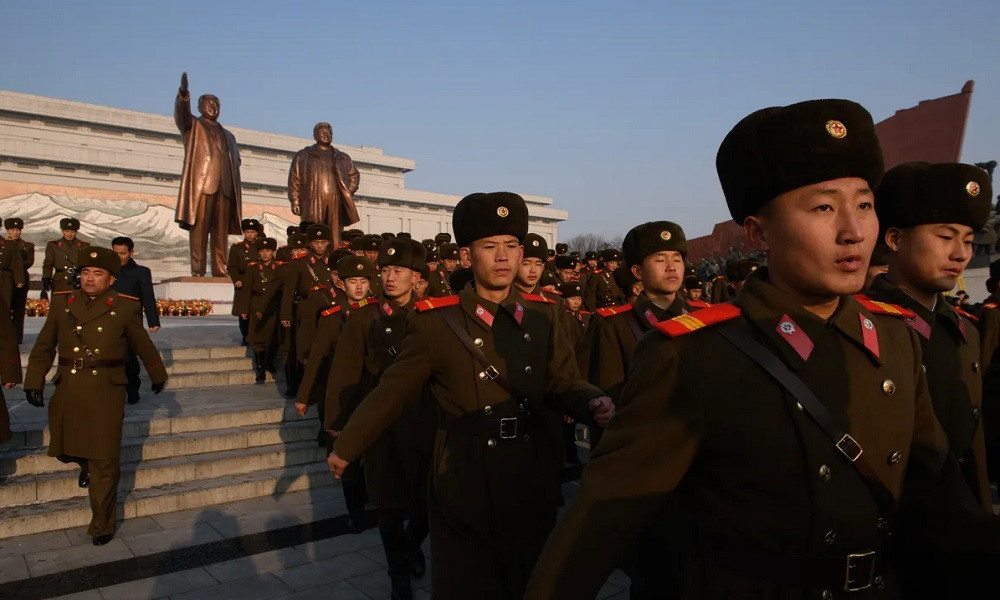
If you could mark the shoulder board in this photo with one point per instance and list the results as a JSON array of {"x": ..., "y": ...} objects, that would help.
[
  {"x": 538, "y": 298},
  {"x": 281, "y": 263},
  {"x": 330, "y": 311},
  {"x": 361, "y": 303},
  {"x": 62, "y": 292},
  {"x": 556, "y": 292},
  {"x": 990, "y": 305},
  {"x": 698, "y": 304},
  {"x": 699, "y": 319},
  {"x": 967, "y": 315},
  {"x": 251, "y": 263},
  {"x": 432, "y": 303},
  {"x": 596, "y": 271},
  {"x": 610, "y": 311},
  {"x": 586, "y": 312},
  {"x": 121, "y": 295},
  {"x": 884, "y": 308}
]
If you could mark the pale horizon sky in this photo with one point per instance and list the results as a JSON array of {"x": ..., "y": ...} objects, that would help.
[{"x": 615, "y": 110}]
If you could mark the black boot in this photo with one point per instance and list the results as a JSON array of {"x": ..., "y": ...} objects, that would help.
[
  {"x": 401, "y": 587},
  {"x": 418, "y": 563},
  {"x": 270, "y": 355},
  {"x": 393, "y": 534},
  {"x": 293, "y": 375},
  {"x": 259, "y": 358}
]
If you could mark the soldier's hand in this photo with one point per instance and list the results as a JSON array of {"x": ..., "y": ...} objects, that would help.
[
  {"x": 336, "y": 464},
  {"x": 183, "y": 91},
  {"x": 34, "y": 398},
  {"x": 158, "y": 387},
  {"x": 332, "y": 433},
  {"x": 603, "y": 409},
  {"x": 154, "y": 328},
  {"x": 286, "y": 324},
  {"x": 9, "y": 385},
  {"x": 20, "y": 285},
  {"x": 238, "y": 284},
  {"x": 301, "y": 408}
]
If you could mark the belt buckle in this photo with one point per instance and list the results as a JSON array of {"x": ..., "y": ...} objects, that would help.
[
  {"x": 849, "y": 447},
  {"x": 863, "y": 562},
  {"x": 508, "y": 428},
  {"x": 492, "y": 372},
  {"x": 78, "y": 363}
]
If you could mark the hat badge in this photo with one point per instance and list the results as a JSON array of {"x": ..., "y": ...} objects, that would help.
[
  {"x": 836, "y": 129},
  {"x": 93, "y": 255},
  {"x": 972, "y": 188},
  {"x": 390, "y": 251},
  {"x": 534, "y": 243},
  {"x": 664, "y": 235},
  {"x": 360, "y": 266},
  {"x": 503, "y": 212}
]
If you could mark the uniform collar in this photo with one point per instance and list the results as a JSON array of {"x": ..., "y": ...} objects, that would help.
[
  {"x": 924, "y": 322},
  {"x": 471, "y": 303}
]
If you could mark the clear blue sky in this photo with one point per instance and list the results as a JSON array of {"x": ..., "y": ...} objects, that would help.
[{"x": 615, "y": 109}]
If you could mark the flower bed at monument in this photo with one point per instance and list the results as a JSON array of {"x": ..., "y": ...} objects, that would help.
[
  {"x": 35, "y": 307},
  {"x": 184, "y": 308}
]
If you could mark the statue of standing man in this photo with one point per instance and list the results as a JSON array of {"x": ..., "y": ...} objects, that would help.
[
  {"x": 209, "y": 203},
  {"x": 321, "y": 184}
]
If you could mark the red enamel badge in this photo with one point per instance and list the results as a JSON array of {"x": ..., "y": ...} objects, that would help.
[
  {"x": 868, "y": 334},
  {"x": 919, "y": 325},
  {"x": 518, "y": 313}
]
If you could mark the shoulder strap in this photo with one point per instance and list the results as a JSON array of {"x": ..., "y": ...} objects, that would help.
[
  {"x": 451, "y": 317},
  {"x": 633, "y": 323},
  {"x": 738, "y": 334},
  {"x": 380, "y": 325}
]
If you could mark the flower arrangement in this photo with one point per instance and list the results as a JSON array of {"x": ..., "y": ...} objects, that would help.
[
  {"x": 36, "y": 307},
  {"x": 183, "y": 308}
]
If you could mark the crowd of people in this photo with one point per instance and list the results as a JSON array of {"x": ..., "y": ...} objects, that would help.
[{"x": 812, "y": 420}]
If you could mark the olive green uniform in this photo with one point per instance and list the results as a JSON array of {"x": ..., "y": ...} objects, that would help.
[
  {"x": 21, "y": 294},
  {"x": 496, "y": 470},
  {"x": 10, "y": 370},
  {"x": 437, "y": 284},
  {"x": 61, "y": 255},
  {"x": 989, "y": 337},
  {"x": 602, "y": 291},
  {"x": 87, "y": 408},
  {"x": 265, "y": 283}
]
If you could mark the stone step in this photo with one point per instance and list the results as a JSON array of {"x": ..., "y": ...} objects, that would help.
[
  {"x": 74, "y": 512},
  {"x": 34, "y": 461},
  {"x": 62, "y": 484}
]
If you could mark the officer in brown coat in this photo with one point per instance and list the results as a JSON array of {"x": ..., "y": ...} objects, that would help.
[
  {"x": 91, "y": 329},
  {"x": 929, "y": 214},
  {"x": 502, "y": 374},
  {"x": 264, "y": 281},
  {"x": 14, "y": 227},
  {"x": 10, "y": 371},
  {"x": 60, "y": 268},
  {"x": 602, "y": 290},
  {"x": 396, "y": 464},
  {"x": 790, "y": 462},
  {"x": 241, "y": 254}
]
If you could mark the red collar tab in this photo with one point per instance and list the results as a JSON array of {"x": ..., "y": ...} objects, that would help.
[
  {"x": 361, "y": 303},
  {"x": 387, "y": 309},
  {"x": 484, "y": 315},
  {"x": 796, "y": 338},
  {"x": 518, "y": 312},
  {"x": 919, "y": 325},
  {"x": 868, "y": 334}
]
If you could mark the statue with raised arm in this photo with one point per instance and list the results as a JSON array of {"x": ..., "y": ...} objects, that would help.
[
  {"x": 321, "y": 184},
  {"x": 209, "y": 203}
]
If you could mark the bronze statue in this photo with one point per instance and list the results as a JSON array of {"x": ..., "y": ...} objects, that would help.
[
  {"x": 209, "y": 202},
  {"x": 321, "y": 184}
]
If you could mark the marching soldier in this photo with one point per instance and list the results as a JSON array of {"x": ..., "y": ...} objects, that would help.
[
  {"x": 602, "y": 290},
  {"x": 10, "y": 371},
  {"x": 989, "y": 332},
  {"x": 60, "y": 270},
  {"x": 449, "y": 259},
  {"x": 14, "y": 227},
  {"x": 241, "y": 254},
  {"x": 91, "y": 328},
  {"x": 587, "y": 268},
  {"x": 929, "y": 214},
  {"x": 437, "y": 279},
  {"x": 572, "y": 295},
  {"x": 501, "y": 372},
  {"x": 396, "y": 464},
  {"x": 789, "y": 463},
  {"x": 284, "y": 253},
  {"x": 421, "y": 280},
  {"x": 694, "y": 292},
  {"x": 135, "y": 281},
  {"x": 264, "y": 281},
  {"x": 565, "y": 268},
  {"x": 298, "y": 247}
]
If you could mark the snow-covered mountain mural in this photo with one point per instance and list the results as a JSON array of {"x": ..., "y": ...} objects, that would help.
[{"x": 159, "y": 243}]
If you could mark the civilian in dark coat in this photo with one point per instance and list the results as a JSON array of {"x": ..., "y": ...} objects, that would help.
[{"x": 135, "y": 281}]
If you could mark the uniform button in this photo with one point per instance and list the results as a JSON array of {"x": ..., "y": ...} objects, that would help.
[
  {"x": 824, "y": 473},
  {"x": 527, "y": 437},
  {"x": 488, "y": 410},
  {"x": 888, "y": 387},
  {"x": 482, "y": 375},
  {"x": 79, "y": 327},
  {"x": 799, "y": 406},
  {"x": 478, "y": 342},
  {"x": 97, "y": 350},
  {"x": 827, "y": 595},
  {"x": 112, "y": 313},
  {"x": 961, "y": 460},
  {"x": 491, "y": 443},
  {"x": 895, "y": 457},
  {"x": 100, "y": 329},
  {"x": 94, "y": 371},
  {"x": 975, "y": 367},
  {"x": 975, "y": 413},
  {"x": 527, "y": 370},
  {"x": 76, "y": 348},
  {"x": 879, "y": 582},
  {"x": 73, "y": 371},
  {"x": 882, "y": 523},
  {"x": 520, "y": 407},
  {"x": 527, "y": 337},
  {"x": 830, "y": 537}
]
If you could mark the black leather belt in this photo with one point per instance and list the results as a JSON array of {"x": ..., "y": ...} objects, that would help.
[
  {"x": 82, "y": 363},
  {"x": 488, "y": 424}
]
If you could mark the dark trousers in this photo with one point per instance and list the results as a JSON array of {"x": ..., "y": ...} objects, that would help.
[
  {"x": 103, "y": 491},
  {"x": 132, "y": 374},
  {"x": 400, "y": 540},
  {"x": 353, "y": 485},
  {"x": 244, "y": 327},
  {"x": 212, "y": 220},
  {"x": 18, "y": 301}
]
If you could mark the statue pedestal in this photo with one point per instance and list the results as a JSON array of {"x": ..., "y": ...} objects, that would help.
[{"x": 218, "y": 290}]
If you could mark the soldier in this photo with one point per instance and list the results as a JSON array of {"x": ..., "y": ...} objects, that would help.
[
  {"x": 12, "y": 272},
  {"x": 240, "y": 255},
  {"x": 284, "y": 253},
  {"x": 602, "y": 290},
  {"x": 420, "y": 282},
  {"x": 14, "y": 227},
  {"x": 737, "y": 271},
  {"x": 10, "y": 372},
  {"x": 628, "y": 283},
  {"x": 565, "y": 267},
  {"x": 298, "y": 247},
  {"x": 720, "y": 291},
  {"x": 450, "y": 257},
  {"x": 135, "y": 281},
  {"x": 59, "y": 269},
  {"x": 587, "y": 268},
  {"x": 529, "y": 271},
  {"x": 437, "y": 279},
  {"x": 989, "y": 333},
  {"x": 562, "y": 249},
  {"x": 441, "y": 238},
  {"x": 501, "y": 373},
  {"x": 929, "y": 214},
  {"x": 878, "y": 264},
  {"x": 788, "y": 472},
  {"x": 694, "y": 291},
  {"x": 572, "y": 295},
  {"x": 264, "y": 281},
  {"x": 396, "y": 464},
  {"x": 91, "y": 328}
]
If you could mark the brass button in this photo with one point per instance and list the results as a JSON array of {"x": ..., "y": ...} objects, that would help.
[
  {"x": 895, "y": 457},
  {"x": 491, "y": 443},
  {"x": 830, "y": 537},
  {"x": 97, "y": 350},
  {"x": 73, "y": 371},
  {"x": 388, "y": 329},
  {"x": 112, "y": 313},
  {"x": 824, "y": 473},
  {"x": 975, "y": 367},
  {"x": 527, "y": 437},
  {"x": 488, "y": 410},
  {"x": 478, "y": 342},
  {"x": 827, "y": 595},
  {"x": 888, "y": 387},
  {"x": 482, "y": 375},
  {"x": 100, "y": 329},
  {"x": 520, "y": 407},
  {"x": 79, "y": 327},
  {"x": 94, "y": 371},
  {"x": 527, "y": 337},
  {"x": 975, "y": 412},
  {"x": 527, "y": 370},
  {"x": 798, "y": 405},
  {"x": 879, "y": 582},
  {"x": 76, "y": 348}
]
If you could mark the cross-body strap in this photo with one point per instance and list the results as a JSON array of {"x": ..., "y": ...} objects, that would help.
[
  {"x": 92, "y": 359},
  {"x": 451, "y": 316},
  {"x": 737, "y": 332}
]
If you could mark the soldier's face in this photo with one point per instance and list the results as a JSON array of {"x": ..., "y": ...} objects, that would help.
[
  {"x": 567, "y": 275},
  {"x": 610, "y": 265},
  {"x": 358, "y": 252},
  {"x": 494, "y": 260},
  {"x": 396, "y": 281},
  {"x": 319, "y": 246},
  {"x": 573, "y": 303},
  {"x": 592, "y": 263},
  {"x": 450, "y": 264},
  {"x": 69, "y": 234},
  {"x": 298, "y": 252},
  {"x": 371, "y": 255},
  {"x": 356, "y": 288},
  {"x": 94, "y": 281},
  {"x": 929, "y": 258},
  {"x": 818, "y": 239},
  {"x": 661, "y": 272},
  {"x": 266, "y": 255},
  {"x": 14, "y": 234},
  {"x": 432, "y": 265},
  {"x": 124, "y": 254},
  {"x": 694, "y": 294},
  {"x": 420, "y": 286},
  {"x": 530, "y": 271},
  {"x": 250, "y": 234}
]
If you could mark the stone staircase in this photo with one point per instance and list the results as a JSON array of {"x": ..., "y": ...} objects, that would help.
[{"x": 208, "y": 439}]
